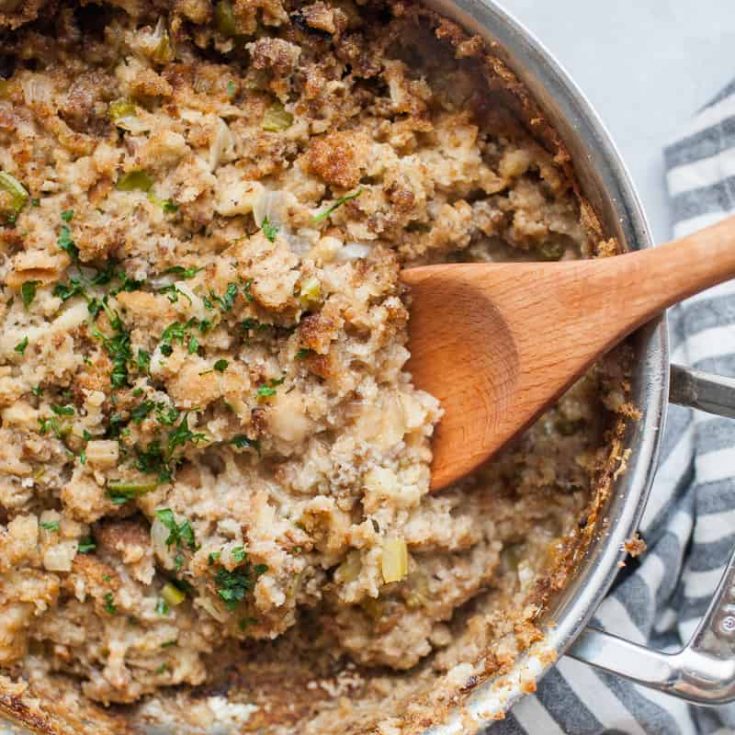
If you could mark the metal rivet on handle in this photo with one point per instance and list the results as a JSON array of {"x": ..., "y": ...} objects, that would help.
[{"x": 725, "y": 626}]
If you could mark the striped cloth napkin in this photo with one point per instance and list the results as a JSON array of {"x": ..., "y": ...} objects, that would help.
[{"x": 689, "y": 524}]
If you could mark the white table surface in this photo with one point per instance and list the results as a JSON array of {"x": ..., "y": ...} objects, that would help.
[{"x": 646, "y": 66}]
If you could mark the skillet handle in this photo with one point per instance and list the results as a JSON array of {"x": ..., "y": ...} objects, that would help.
[{"x": 703, "y": 672}]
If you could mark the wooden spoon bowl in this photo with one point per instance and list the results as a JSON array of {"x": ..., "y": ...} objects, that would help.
[{"x": 498, "y": 343}]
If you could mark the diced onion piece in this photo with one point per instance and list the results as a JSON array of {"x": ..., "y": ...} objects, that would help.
[
  {"x": 394, "y": 563},
  {"x": 18, "y": 195},
  {"x": 276, "y": 118},
  {"x": 172, "y": 594},
  {"x": 134, "y": 181},
  {"x": 349, "y": 570},
  {"x": 353, "y": 251},
  {"x": 163, "y": 52},
  {"x": 59, "y": 557}
]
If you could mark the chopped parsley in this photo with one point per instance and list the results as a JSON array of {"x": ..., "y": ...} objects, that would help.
[
  {"x": 232, "y": 586},
  {"x": 238, "y": 555},
  {"x": 65, "y": 291},
  {"x": 143, "y": 361},
  {"x": 243, "y": 442},
  {"x": 141, "y": 411},
  {"x": 162, "y": 607},
  {"x": 182, "y": 434},
  {"x": 221, "y": 365},
  {"x": 67, "y": 215},
  {"x": 37, "y": 390},
  {"x": 269, "y": 389},
  {"x": 28, "y": 292},
  {"x": 122, "y": 492},
  {"x": 317, "y": 219},
  {"x": 50, "y": 424},
  {"x": 20, "y": 348},
  {"x": 246, "y": 287},
  {"x": 63, "y": 410},
  {"x": 152, "y": 461},
  {"x": 193, "y": 345},
  {"x": 118, "y": 349},
  {"x": 303, "y": 353},
  {"x": 87, "y": 545},
  {"x": 67, "y": 244},
  {"x": 213, "y": 557},
  {"x": 180, "y": 534},
  {"x": 228, "y": 299},
  {"x": 181, "y": 272},
  {"x": 50, "y": 525},
  {"x": 110, "y": 606},
  {"x": 172, "y": 293},
  {"x": 269, "y": 229}
]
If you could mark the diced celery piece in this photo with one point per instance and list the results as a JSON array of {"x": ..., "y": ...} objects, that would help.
[
  {"x": 18, "y": 195},
  {"x": 394, "y": 563},
  {"x": 134, "y": 181},
  {"x": 276, "y": 118},
  {"x": 172, "y": 594}
]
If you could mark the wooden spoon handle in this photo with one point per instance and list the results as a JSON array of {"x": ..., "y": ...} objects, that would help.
[{"x": 654, "y": 279}]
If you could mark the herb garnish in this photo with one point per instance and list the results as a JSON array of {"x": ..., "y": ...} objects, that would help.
[
  {"x": 28, "y": 292},
  {"x": 181, "y": 272},
  {"x": 87, "y": 545},
  {"x": 228, "y": 299},
  {"x": 180, "y": 534},
  {"x": 232, "y": 586},
  {"x": 269, "y": 229},
  {"x": 63, "y": 410},
  {"x": 316, "y": 219},
  {"x": 221, "y": 365},
  {"x": 20, "y": 348},
  {"x": 50, "y": 525},
  {"x": 243, "y": 442},
  {"x": 269, "y": 389},
  {"x": 110, "y": 606}
]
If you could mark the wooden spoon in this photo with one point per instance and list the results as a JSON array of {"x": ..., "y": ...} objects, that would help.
[{"x": 497, "y": 343}]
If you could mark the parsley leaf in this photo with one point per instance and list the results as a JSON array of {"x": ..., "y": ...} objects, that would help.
[
  {"x": 143, "y": 361},
  {"x": 243, "y": 442},
  {"x": 221, "y": 365},
  {"x": 87, "y": 545},
  {"x": 269, "y": 229},
  {"x": 225, "y": 302},
  {"x": 232, "y": 586},
  {"x": 181, "y": 534},
  {"x": 50, "y": 525},
  {"x": 28, "y": 292},
  {"x": 316, "y": 219},
  {"x": 20, "y": 348},
  {"x": 181, "y": 272},
  {"x": 67, "y": 244},
  {"x": 181, "y": 435},
  {"x": 63, "y": 410},
  {"x": 67, "y": 215},
  {"x": 110, "y": 606}
]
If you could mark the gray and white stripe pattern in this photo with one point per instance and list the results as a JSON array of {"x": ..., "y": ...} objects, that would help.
[{"x": 689, "y": 523}]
